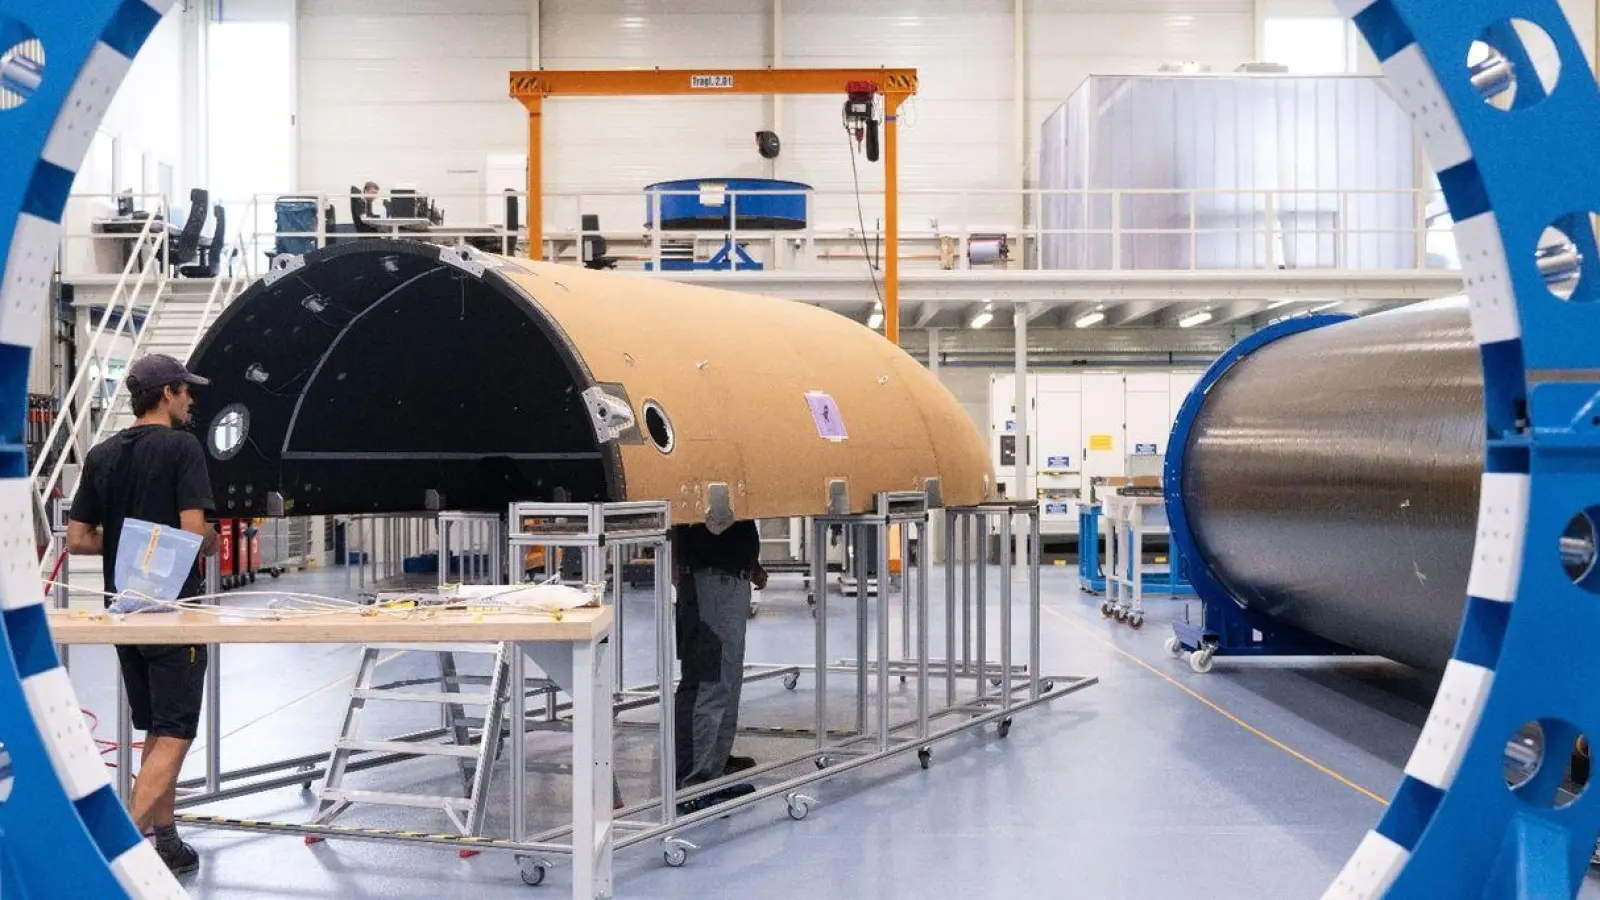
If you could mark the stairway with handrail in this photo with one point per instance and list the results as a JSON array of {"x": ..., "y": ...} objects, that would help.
[{"x": 156, "y": 313}]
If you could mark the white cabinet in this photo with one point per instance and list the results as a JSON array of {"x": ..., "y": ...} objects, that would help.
[{"x": 1083, "y": 426}]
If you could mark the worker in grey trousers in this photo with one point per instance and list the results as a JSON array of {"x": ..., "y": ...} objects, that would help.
[{"x": 713, "y": 574}]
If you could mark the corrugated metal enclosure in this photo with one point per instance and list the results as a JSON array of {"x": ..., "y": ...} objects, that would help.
[{"x": 1227, "y": 172}]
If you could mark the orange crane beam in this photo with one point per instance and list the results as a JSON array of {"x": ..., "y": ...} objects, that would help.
[{"x": 531, "y": 88}]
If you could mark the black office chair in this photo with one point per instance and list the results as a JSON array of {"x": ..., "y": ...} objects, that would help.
[
  {"x": 187, "y": 246},
  {"x": 513, "y": 224},
  {"x": 210, "y": 255},
  {"x": 593, "y": 245}
]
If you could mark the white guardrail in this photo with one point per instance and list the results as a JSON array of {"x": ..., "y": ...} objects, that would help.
[{"x": 1095, "y": 230}]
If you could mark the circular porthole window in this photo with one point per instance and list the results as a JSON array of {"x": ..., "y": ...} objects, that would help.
[
  {"x": 228, "y": 431},
  {"x": 658, "y": 426}
]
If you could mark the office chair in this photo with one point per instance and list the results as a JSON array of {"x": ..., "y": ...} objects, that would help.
[
  {"x": 593, "y": 245},
  {"x": 295, "y": 216},
  {"x": 187, "y": 246},
  {"x": 513, "y": 224},
  {"x": 211, "y": 254}
]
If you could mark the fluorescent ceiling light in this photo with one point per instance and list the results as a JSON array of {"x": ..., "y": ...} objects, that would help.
[
  {"x": 1094, "y": 318},
  {"x": 1193, "y": 319},
  {"x": 984, "y": 317}
]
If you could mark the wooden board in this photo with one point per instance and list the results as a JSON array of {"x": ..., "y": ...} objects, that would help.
[{"x": 420, "y": 627}]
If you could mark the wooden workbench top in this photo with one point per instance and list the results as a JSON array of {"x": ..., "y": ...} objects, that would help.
[{"x": 416, "y": 626}]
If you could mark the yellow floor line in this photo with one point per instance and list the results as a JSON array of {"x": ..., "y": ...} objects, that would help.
[{"x": 1218, "y": 709}]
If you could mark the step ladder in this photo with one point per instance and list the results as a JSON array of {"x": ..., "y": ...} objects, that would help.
[{"x": 476, "y": 758}]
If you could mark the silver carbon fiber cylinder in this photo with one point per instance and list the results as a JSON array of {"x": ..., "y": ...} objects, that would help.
[{"x": 1331, "y": 480}]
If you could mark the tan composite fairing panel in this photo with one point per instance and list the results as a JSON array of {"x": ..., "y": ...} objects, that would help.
[{"x": 732, "y": 372}]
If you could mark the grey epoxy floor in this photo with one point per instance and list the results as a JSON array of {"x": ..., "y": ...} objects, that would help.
[{"x": 1154, "y": 783}]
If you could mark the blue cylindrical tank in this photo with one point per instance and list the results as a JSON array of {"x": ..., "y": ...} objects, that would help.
[{"x": 698, "y": 204}]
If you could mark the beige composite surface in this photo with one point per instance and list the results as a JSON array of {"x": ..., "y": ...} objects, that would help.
[{"x": 732, "y": 371}]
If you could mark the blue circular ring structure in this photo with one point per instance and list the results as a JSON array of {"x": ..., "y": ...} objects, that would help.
[
  {"x": 1206, "y": 584},
  {"x": 63, "y": 832},
  {"x": 1526, "y": 649}
]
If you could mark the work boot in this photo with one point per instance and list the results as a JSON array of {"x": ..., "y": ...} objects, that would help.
[
  {"x": 181, "y": 859},
  {"x": 731, "y": 792}
]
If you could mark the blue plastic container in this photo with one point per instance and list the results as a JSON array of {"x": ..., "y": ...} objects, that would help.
[{"x": 710, "y": 201}]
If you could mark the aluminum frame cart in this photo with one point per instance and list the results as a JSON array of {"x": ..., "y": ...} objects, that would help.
[{"x": 880, "y": 731}]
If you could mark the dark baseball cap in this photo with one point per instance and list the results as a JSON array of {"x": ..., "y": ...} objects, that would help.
[{"x": 160, "y": 370}]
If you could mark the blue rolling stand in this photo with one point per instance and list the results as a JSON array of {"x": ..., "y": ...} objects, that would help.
[
  {"x": 1226, "y": 628},
  {"x": 1173, "y": 581}
]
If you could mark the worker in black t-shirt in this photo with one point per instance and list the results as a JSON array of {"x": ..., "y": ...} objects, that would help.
[
  {"x": 713, "y": 574},
  {"x": 153, "y": 471}
]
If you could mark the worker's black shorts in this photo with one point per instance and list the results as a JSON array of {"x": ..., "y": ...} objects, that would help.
[{"x": 165, "y": 685}]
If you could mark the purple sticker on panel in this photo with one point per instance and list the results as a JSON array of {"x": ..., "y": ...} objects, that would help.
[{"x": 825, "y": 413}]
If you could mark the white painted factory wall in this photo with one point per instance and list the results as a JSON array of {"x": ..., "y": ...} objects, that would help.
[
  {"x": 624, "y": 143},
  {"x": 417, "y": 93},
  {"x": 410, "y": 92}
]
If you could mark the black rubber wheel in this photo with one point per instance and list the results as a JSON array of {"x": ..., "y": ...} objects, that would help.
[
  {"x": 925, "y": 757},
  {"x": 532, "y": 876},
  {"x": 1005, "y": 726}
]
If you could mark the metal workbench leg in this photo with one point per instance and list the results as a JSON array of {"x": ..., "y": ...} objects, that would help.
[
  {"x": 592, "y": 800},
  {"x": 213, "y": 689},
  {"x": 619, "y": 678},
  {"x": 124, "y": 742},
  {"x": 881, "y": 665},
  {"x": 666, "y": 651},
  {"x": 925, "y": 547},
  {"x": 967, "y": 521},
  {"x": 951, "y": 544},
  {"x": 1008, "y": 551},
  {"x": 905, "y": 590},
  {"x": 1035, "y": 554},
  {"x": 819, "y": 588},
  {"x": 518, "y": 738},
  {"x": 860, "y": 545},
  {"x": 981, "y": 526}
]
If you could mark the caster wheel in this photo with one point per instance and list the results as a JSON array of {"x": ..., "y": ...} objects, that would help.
[
  {"x": 676, "y": 852},
  {"x": 1005, "y": 726},
  {"x": 925, "y": 757},
  {"x": 1121, "y": 615},
  {"x": 790, "y": 682},
  {"x": 1200, "y": 661},
  {"x": 822, "y": 762},
  {"x": 1105, "y": 610},
  {"x": 1136, "y": 621},
  {"x": 994, "y": 682},
  {"x": 1046, "y": 687},
  {"x": 532, "y": 871},
  {"x": 1173, "y": 648},
  {"x": 305, "y": 785},
  {"x": 799, "y": 806}
]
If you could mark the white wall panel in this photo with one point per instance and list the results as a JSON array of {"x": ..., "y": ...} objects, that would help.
[
  {"x": 624, "y": 143},
  {"x": 410, "y": 93},
  {"x": 956, "y": 134}
]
